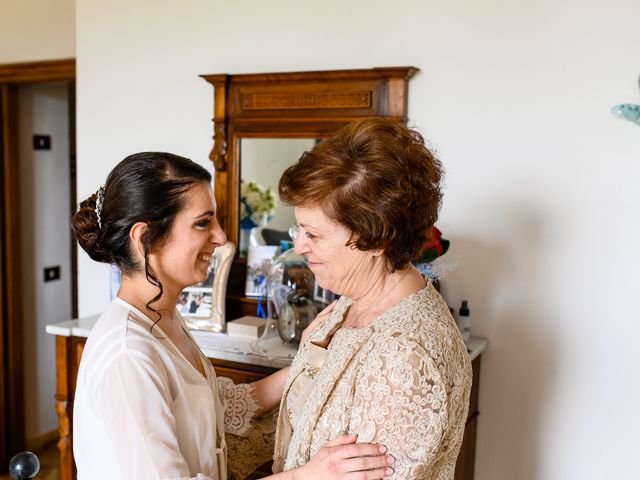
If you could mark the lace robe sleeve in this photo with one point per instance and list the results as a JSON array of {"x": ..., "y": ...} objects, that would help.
[
  {"x": 401, "y": 402},
  {"x": 250, "y": 438},
  {"x": 240, "y": 406}
]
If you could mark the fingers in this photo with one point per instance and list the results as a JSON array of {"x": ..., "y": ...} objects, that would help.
[
  {"x": 378, "y": 466},
  {"x": 353, "y": 450},
  {"x": 377, "y": 474},
  {"x": 344, "y": 459},
  {"x": 342, "y": 440},
  {"x": 367, "y": 463}
]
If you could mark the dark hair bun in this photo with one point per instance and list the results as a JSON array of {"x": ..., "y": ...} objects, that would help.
[{"x": 86, "y": 230}]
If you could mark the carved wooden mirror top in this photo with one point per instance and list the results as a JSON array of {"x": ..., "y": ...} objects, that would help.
[{"x": 291, "y": 105}]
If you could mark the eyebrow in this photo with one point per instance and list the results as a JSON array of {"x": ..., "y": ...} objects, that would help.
[
  {"x": 208, "y": 213},
  {"x": 305, "y": 225}
]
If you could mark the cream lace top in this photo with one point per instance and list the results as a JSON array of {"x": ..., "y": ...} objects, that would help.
[{"x": 402, "y": 381}]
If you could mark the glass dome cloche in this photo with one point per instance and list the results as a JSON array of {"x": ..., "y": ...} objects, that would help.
[{"x": 293, "y": 297}]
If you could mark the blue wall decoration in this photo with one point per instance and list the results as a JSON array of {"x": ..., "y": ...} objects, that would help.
[{"x": 628, "y": 111}]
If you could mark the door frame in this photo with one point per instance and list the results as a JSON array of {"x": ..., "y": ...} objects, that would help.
[{"x": 12, "y": 437}]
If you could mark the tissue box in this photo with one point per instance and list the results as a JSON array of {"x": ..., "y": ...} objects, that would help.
[{"x": 246, "y": 327}]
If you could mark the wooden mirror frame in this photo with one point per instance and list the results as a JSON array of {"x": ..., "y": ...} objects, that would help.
[{"x": 288, "y": 105}]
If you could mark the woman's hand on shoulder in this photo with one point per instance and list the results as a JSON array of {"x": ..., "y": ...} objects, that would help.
[
  {"x": 320, "y": 319},
  {"x": 344, "y": 459}
]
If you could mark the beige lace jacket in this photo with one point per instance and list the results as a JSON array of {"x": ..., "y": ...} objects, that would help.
[{"x": 403, "y": 381}]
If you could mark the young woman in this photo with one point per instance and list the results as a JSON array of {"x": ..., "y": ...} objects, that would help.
[{"x": 148, "y": 404}]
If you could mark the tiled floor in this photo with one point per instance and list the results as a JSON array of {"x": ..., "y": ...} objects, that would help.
[{"x": 49, "y": 464}]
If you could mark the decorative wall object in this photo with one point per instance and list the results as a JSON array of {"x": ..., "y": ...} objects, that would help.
[{"x": 628, "y": 111}]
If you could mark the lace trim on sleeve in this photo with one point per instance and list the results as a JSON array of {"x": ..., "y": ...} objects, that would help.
[
  {"x": 240, "y": 406},
  {"x": 250, "y": 438}
]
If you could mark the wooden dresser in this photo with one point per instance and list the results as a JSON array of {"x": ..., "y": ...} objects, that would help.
[{"x": 70, "y": 338}]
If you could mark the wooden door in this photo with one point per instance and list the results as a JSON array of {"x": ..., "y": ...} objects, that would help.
[{"x": 11, "y": 377}]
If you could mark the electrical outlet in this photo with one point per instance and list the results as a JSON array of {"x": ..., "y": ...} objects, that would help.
[
  {"x": 42, "y": 142},
  {"x": 52, "y": 273}
]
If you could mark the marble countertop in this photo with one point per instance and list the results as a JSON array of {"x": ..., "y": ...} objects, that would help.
[{"x": 271, "y": 353}]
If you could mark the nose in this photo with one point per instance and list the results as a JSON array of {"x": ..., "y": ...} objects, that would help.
[
  {"x": 216, "y": 235},
  {"x": 300, "y": 245}
]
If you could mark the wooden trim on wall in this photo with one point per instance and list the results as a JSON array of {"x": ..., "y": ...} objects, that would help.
[
  {"x": 3, "y": 315},
  {"x": 47, "y": 71},
  {"x": 73, "y": 191},
  {"x": 12, "y": 407}
]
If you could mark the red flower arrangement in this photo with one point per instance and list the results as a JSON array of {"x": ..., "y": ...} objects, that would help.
[{"x": 435, "y": 246}]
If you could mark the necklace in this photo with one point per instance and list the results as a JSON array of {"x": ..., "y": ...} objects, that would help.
[{"x": 359, "y": 314}]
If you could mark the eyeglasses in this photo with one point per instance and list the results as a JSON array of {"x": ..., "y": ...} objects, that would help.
[{"x": 294, "y": 231}]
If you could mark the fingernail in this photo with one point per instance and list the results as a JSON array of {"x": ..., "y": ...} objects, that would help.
[
  {"x": 382, "y": 448},
  {"x": 388, "y": 471},
  {"x": 390, "y": 460}
]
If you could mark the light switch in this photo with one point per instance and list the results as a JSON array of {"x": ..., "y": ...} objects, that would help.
[
  {"x": 42, "y": 142},
  {"x": 52, "y": 273}
]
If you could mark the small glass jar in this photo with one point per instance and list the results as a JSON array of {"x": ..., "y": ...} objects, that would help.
[
  {"x": 290, "y": 286},
  {"x": 293, "y": 297}
]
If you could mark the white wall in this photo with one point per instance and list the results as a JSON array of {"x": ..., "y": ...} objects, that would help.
[
  {"x": 33, "y": 30},
  {"x": 46, "y": 240},
  {"x": 541, "y": 201}
]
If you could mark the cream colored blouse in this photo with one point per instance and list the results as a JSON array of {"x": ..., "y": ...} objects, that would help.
[
  {"x": 402, "y": 381},
  {"x": 142, "y": 411}
]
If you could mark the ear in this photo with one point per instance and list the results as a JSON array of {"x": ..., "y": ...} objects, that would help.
[
  {"x": 378, "y": 252},
  {"x": 136, "y": 235}
]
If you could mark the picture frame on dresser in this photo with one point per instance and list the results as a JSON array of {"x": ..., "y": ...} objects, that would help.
[{"x": 203, "y": 305}]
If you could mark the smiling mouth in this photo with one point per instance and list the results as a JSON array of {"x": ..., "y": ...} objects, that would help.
[{"x": 205, "y": 257}]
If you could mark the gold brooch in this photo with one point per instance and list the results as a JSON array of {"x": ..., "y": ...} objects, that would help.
[{"x": 310, "y": 370}]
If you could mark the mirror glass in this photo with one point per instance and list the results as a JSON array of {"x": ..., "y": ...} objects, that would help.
[{"x": 262, "y": 160}]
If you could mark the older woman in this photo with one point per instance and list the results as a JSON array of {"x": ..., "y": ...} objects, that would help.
[{"x": 389, "y": 363}]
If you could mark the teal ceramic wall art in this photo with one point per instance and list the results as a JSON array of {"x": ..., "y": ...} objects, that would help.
[{"x": 628, "y": 111}]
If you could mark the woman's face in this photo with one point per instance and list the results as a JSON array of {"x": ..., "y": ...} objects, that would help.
[
  {"x": 337, "y": 267},
  {"x": 184, "y": 259}
]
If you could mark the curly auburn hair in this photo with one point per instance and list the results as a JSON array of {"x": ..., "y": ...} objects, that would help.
[{"x": 377, "y": 179}]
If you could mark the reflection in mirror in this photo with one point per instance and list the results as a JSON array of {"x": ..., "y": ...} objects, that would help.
[{"x": 262, "y": 161}]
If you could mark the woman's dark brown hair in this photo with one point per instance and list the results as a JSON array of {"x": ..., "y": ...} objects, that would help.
[
  {"x": 145, "y": 187},
  {"x": 376, "y": 178}
]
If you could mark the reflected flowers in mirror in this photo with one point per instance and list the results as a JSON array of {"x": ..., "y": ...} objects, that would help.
[{"x": 257, "y": 205}]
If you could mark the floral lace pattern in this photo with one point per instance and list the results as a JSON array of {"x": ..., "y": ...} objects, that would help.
[
  {"x": 250, "y": 439},
  {"x": 403, "y": 381},
  {"x": 240, "y": 406}
]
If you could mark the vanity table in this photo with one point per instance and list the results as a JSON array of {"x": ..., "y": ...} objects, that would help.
[{"x": 230, "y": 357}]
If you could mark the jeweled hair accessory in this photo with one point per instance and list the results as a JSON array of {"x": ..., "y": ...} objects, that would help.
[{"x": 99, "y": 202}]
